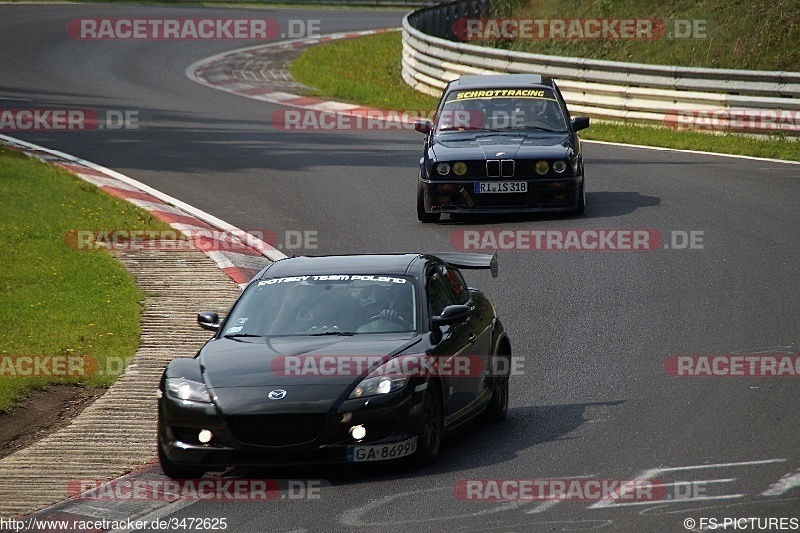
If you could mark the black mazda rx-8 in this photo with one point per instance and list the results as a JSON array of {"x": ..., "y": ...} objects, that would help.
[{"x": 338, "y": 359}]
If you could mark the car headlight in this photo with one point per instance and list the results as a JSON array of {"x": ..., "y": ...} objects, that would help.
[
  {"x": 542, "y": 167},
  {"x": 460, "y": 168},
  {"x": 443, "y": 169},
  {"x": 184, "y": 389},
  {"x": 382, "y": 380},
  {"x": 559, "y": 166}
]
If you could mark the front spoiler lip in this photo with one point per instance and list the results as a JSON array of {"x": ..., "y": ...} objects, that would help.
[
  {"x": 194, "y": 455},
  {"x": 501, "y": 210}
]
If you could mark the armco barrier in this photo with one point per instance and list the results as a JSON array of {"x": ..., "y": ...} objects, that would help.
[{"x": 762, "y": 101}]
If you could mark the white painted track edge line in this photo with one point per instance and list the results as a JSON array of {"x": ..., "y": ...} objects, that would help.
[{"x": 699, "y": 152}]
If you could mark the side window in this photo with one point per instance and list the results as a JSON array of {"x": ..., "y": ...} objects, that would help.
[
  {"x": 438, "y": 297},
  {"x": 562, "y": 103},
  {"x": 456, "y": 284}
]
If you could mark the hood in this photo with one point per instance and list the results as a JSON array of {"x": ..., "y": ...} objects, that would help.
[
  {"x": 242, "y": 372},
  {"x": 515, "y": 145}
]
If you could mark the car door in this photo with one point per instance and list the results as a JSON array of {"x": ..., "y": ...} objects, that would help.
[
  {"x": 455, "y": 342},
  {"x": 479, "y": 327}
]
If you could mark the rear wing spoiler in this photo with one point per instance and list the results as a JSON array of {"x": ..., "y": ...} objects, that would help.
[{"x": 470, "y": 261}]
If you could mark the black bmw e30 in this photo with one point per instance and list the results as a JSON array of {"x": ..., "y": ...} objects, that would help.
[
  {"x": 499, "y": 144},
  {"x": 337, "y": 359}
]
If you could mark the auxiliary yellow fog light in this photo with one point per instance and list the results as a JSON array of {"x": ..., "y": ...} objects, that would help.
[
  {"x": 542, "y": 167},
  {"x": 460, "y": 168}
]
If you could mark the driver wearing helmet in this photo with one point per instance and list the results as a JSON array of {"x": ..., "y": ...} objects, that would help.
[
  {"x": 539, "y": 112},
  {"x": 389, "y": 309}
]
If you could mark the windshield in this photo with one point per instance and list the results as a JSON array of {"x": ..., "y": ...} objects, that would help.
[
  {"x": 501, "y": 110},
  {"x": 325, "y": 305}
]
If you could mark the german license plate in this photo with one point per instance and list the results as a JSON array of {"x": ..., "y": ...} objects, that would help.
[
  {"x": 482, "y": 187},
  {"x": 381, "y": 452}
]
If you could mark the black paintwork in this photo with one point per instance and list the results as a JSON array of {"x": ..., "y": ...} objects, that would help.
[
  {"x": 449, "y": 194},
  {"x": 238, "y": 374}
]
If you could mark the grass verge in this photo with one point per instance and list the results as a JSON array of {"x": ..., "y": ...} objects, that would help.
[
  {"x": 366, "y": 71},
  {"x": 706, "y": 33},
  {"x": 57, "y": 301}
]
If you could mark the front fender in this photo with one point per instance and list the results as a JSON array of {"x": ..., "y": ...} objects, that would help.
[{"x": 183, "y": 367}]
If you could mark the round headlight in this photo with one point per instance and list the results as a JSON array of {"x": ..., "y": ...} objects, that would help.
[
  {"x": 559, "y": 166},
  {"x": 542, "y": 167},
  {"x": 460, "y": 168},
  {"x": 443, "y": 169}
]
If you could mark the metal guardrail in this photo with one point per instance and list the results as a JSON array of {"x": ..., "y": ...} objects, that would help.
[
  {"x": 332, "y": 3},
  {"x": 347, "y": 3},
  {"x": 760, "y": 101}
]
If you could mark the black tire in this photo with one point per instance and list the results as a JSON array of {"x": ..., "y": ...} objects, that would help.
[
  {"x": 429, "y": 441},
  {"x": 422, "y": 215},
  {"x": 497, "y": 410},
  {"x": 177, "y": 472},
  {"x": 581, "y": 199}
]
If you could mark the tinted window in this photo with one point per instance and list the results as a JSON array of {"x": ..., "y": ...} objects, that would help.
[
  {"x": 438, "y": 297},
  {"x": 307, "y": 305},
  {"x": 501, "y": 109},
  {"x": 456, "y": 284}
]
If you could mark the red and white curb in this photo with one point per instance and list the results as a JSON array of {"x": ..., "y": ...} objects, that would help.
[
  {"x": 237, "y": 253},
  {"x": 217, "y": 72}
]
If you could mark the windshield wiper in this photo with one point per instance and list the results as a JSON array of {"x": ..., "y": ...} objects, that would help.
[
  {"x": 342, "y": 333},
  {"x": 538, "y": 128},
  {"x": 463, "y": 128},
  {"x": 234, "y": 335}
]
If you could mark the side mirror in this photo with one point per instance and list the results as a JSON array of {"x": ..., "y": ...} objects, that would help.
[
  {"x": 452, "y": 314},
  {"x": 208, "y": 320},
  {"x": 580, "y": 123},
  {"x": 423, "y": 126}
]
